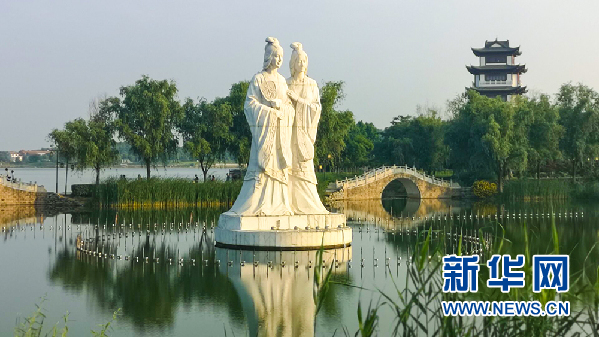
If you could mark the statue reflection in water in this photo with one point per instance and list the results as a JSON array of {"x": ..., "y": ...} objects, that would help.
[{"x": 278, "y": 296}]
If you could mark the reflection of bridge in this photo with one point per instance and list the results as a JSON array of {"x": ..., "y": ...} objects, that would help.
[
  {"x": 383, "y": 213},
  {"x": 371, "y": 184}
]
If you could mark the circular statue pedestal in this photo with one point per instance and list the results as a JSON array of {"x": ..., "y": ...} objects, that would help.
[{"x": 283, "y": 232}]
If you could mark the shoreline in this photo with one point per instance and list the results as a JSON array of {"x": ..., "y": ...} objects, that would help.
[{"x": 137, "y": 166}]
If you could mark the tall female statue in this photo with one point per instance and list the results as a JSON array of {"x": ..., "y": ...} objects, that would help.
[
  {"x": 269, "y": 113},
  {"x": 303, "y": 91}
]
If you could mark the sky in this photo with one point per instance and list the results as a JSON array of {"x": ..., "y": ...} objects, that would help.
[{"x": 56, "y": 56}]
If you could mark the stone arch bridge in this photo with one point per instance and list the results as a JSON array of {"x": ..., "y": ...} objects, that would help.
[{"x": 371, "y": 185}]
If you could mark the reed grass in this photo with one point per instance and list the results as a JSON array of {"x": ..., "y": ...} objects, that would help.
[
  {"x": 33, "y": 326},
  {"x": 537, "y": 189},
  {"x": 549, "y": 189},
  {"x": 165, "y": 193}
]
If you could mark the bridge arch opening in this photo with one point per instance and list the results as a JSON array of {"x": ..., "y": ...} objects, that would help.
[{"x": 401, "y": 188}]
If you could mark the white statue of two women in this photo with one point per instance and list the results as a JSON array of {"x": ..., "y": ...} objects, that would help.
[{"x": 283, "y": 117}]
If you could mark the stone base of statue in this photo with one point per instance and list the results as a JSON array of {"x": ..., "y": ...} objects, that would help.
[{"x": 282, "y": 232}]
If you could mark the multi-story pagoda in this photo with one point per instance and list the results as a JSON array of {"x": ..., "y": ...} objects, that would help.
[{"x": 497, "y": 73}]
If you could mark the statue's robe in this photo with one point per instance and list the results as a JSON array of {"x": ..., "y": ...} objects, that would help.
[
  {"x": 304, "y": 197},
  {"x": 265, "y": 187}
]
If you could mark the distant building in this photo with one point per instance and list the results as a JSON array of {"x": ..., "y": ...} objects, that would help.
[
  {"x": 25, "y": 153},
  {"x": 15, "y": 156},
  {"x": 497, "y": 73}
]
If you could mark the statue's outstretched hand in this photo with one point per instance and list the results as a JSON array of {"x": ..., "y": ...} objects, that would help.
[{"x": 276, "y": 103}]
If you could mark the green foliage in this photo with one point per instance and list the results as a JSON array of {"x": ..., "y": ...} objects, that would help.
[
  {"x": 4, "y": 157},
  {"x": 241, "y": 136},
  {"x": 65, "y": 140},
  {"x": 482, "y": 137},
  {"x": 333, "y": 128},
  {"x": 147, "y": 116},
  {"x": 205, "y": 131},
  {"x": 414, "y": 141},
  {"x": 544, "y": 131},
  {"x": 359, "y": 145},
  {"x": 83, "y": 190},
  {"x": 578, "y": 108}
]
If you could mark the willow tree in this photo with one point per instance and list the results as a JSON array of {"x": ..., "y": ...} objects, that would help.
[{"x": 147, "y": 115}]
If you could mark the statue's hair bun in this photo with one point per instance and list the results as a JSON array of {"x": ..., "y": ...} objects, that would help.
[
  {"x": 296, "y": 46},
  {"x": 272, "y": 40}
]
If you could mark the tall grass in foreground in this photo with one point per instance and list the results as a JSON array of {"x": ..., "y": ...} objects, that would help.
[
  {"x": 165, "y": 193},
  {"x": 417, "y": 307},
  {"x": 33, "y": 326}
]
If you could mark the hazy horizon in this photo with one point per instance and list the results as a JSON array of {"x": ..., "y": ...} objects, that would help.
[{"x": 392, "y": 56}]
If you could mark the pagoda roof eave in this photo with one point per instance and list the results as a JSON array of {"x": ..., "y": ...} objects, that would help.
[
  {"x": 497, "y": 51},
  {"x": 505, "y": 90},
  {"x": 504, "y": 68}
]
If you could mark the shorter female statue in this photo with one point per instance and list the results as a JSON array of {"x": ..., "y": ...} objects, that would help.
[{"x": 304, "y": 94}]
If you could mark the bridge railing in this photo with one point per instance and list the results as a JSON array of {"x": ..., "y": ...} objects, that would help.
[
  {"x": 385, "y": 171},
  {"x": 21, "y": 186}
]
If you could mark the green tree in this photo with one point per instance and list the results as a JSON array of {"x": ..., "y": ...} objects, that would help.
[
  {"x": 544, "y": 131},
  {"x": 66, "y": 143},
  {"x": 333, "y": 127},
  {"x": 578, "y": 108},
  {"x": 205, "y": 131},
  {"x": 482, "y": 138},
  {"x": 359, "y": 144},
  {"x": 414, "y": 141},
  {"x": 147, "y": 116},
  {"x": 241, "y": 136}
]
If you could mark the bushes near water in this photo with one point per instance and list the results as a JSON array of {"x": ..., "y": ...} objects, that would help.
[
  {"x": 484, "y": 189},
  {"x": 165, "y": 192}
]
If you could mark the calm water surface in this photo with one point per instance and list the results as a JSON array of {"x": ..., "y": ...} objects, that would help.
[{"x": 216, "y": 291}]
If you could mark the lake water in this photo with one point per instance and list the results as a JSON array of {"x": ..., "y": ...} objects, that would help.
[
  {"x": 218, "y": 292},
  {"x": 47, "y": 176}
]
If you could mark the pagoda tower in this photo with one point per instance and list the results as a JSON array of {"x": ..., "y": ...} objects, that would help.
[{"x": 497, "y": 73}]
